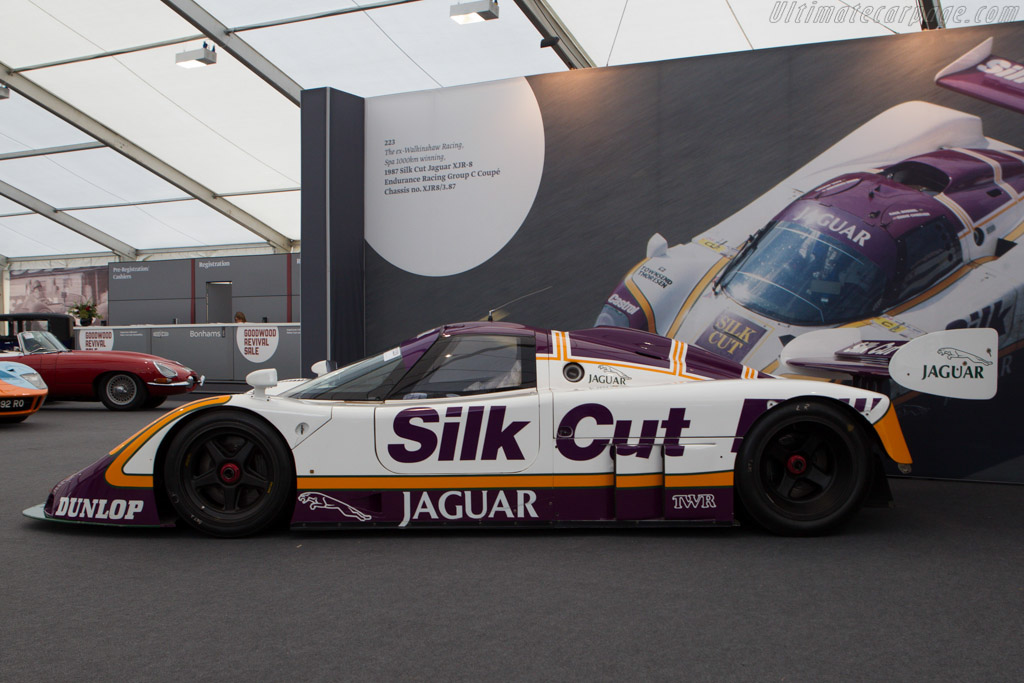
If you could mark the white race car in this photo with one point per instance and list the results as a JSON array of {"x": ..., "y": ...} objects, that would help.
[
  {"x": 907, "y": 225},
  {"x": 501, "y": 424}
]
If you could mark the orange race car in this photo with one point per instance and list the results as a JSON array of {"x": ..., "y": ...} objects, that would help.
[{"x": 22, "y": 391}]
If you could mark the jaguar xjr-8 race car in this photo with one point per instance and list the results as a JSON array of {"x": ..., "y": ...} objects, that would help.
[
  {"x": 907, "y": 225},
  {"x": 501, "y": 424}
]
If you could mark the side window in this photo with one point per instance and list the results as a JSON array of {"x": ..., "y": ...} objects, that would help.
[
  {"x": 930, "y": 252},
  {"x": 464, "y": 365}
]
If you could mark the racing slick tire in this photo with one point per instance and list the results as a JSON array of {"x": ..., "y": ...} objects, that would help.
[
  {"x": 804, "y": 468},
  {"x": 154, "y": 402},
  {"x": 122, "y": 391},
  {"x": 228, "y": 474}
]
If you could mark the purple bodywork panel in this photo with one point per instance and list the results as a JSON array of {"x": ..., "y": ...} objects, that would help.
[
  {"x": 510, "y": 506},
  {"x": 996, "y": 79},
  {"x": 412, "y": 349},
  {"x": 87, "y": 497},
  {"x": 622, "y": 344},
  {"x": 714, "y": 504},
  {"x": 624, "y": 303}
]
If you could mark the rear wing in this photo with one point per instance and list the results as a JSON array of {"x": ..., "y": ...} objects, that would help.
[
  {"x": 955, "y": 363},
  {"x": 983, "y": 75}
]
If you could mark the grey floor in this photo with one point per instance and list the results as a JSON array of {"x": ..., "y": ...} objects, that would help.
[{"x": 932, "y": 590}]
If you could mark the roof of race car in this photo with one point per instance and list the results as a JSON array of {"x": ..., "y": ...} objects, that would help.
[
  {"x": 613, "y": 344},
  {"x": 866, "y": 211}
]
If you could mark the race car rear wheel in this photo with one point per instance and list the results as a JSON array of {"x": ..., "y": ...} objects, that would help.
[
  {"x": 122, "y": 391},
  {"x": 804, "y": 468},
  {"x": 228, "y": 474}
]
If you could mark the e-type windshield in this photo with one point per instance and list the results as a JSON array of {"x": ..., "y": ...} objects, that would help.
[
  {"x": 40, "y": 342},
  {"x": 797, "y": 275}
]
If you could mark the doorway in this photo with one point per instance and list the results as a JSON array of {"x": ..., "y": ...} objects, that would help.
[{"x": 218, "y": 302}]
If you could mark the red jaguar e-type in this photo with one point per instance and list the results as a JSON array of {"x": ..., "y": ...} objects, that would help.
[{"x": 123, "y": 380}]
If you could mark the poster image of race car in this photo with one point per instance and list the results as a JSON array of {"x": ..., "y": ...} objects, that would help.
[
  {"x": 22, "y": 391},
  {"x": 501, "y": 424},
  {"x": 907, "y": 225}
]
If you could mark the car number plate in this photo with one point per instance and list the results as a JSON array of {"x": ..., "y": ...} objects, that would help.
[{"x": 13, "y": 404}]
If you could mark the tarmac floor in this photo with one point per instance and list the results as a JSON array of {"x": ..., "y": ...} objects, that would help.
[{"x": 930, "y": 590}]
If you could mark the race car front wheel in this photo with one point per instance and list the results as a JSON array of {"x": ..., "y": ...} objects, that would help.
[
  {"x": 228, "y": 474},
  {"x": 804, "y": 468}
]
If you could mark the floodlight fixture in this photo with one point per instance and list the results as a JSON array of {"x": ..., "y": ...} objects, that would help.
[
  {"x": 5, "y": 92},
  {"x": 472, "y": 12},
  {"x": 193, "y": 59}
]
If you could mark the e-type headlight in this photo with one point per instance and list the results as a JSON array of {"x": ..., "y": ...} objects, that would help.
[
  {"x": 35, "y": 379},
  {"x": 164, "y": 370}
]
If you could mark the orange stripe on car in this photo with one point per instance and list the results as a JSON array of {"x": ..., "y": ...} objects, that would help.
[
  {"x": 497, "y": 481},
  {"x": 645, "y": 305},
  {"x": 115, "y": 475},
  {"x": 889, "y": 431},
  {"x": 706, "y": 479},
  {"x": 639, "y": 481},
  {"x": 695, "y": 294}
]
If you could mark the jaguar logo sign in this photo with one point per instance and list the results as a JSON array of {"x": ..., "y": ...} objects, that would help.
[{"x": 958, "y": 363}]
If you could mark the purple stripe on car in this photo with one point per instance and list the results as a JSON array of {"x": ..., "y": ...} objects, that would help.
[{"x": 87, "y": 497}]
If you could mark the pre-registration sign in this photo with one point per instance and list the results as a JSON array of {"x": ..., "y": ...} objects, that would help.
[{"x": 257, "y": 343}]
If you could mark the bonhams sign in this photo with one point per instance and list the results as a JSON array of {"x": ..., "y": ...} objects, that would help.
[{"x": 257, "y": 342}]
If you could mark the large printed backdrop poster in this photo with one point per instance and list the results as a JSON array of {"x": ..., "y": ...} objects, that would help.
[
  {"x": 54, "y": 290},
  {"x": 652, "y": 177}
]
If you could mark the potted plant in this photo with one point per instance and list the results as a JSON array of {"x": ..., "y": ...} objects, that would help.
[{"x": 85, "y": 311}]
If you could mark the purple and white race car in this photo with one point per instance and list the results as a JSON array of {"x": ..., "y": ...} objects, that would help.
[
  {"x": 501, "y": 424},
  {"x": 907, "y": 225}
]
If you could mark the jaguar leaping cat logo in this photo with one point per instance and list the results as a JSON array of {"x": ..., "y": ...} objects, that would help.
[
  {"x": 316, "y": 500},
  {"x": 956, "y": 354},
  {"x": 614, "y": 371}
]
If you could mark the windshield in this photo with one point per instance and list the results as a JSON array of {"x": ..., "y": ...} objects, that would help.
[
  {"x": 40, "y": 342},
  {"x": 365, "y": 380},
  {"x": 800, "y": 276}
]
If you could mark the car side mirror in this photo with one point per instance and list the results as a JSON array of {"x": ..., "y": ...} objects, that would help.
[
  {"x": 322, "y": 367},
  {"x": 261, "y": 380}
]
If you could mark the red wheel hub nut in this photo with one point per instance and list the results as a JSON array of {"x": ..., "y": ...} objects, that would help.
[
  {"x": 230, "y": 473},
  {"x": 797, "y": 464}
]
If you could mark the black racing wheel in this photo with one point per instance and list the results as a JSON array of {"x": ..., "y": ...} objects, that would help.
[
  {"x": 122, "y": 391},
  {"x": 229, "y": 474},
  {"x": 804, "y": 468}
]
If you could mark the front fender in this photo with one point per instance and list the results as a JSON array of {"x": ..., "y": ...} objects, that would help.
[{"x": 660, "y": 289}]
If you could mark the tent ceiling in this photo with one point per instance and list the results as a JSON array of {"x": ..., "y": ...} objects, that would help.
[{"x": 155, "y": 157}]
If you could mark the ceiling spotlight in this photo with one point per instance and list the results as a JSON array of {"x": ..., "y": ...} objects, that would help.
[
  {"x": 193, "y": 59},
  {"x": 5, "y": 92},
  {"x": 472, "y": 12}
]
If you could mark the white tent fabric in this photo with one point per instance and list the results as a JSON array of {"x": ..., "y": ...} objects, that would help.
[{"x": 207, "y": 159}]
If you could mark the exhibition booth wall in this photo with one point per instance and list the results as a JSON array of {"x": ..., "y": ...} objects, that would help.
[
  {"x": 221, "y": 353},
  {"x": 547, "y": 191},
  {"x": 205, "y": 290}
]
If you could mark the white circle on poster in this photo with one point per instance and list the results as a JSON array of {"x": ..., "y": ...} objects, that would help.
[
  {"x": 451, "y": 174},
  {"x": 257, "y": 343}
]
